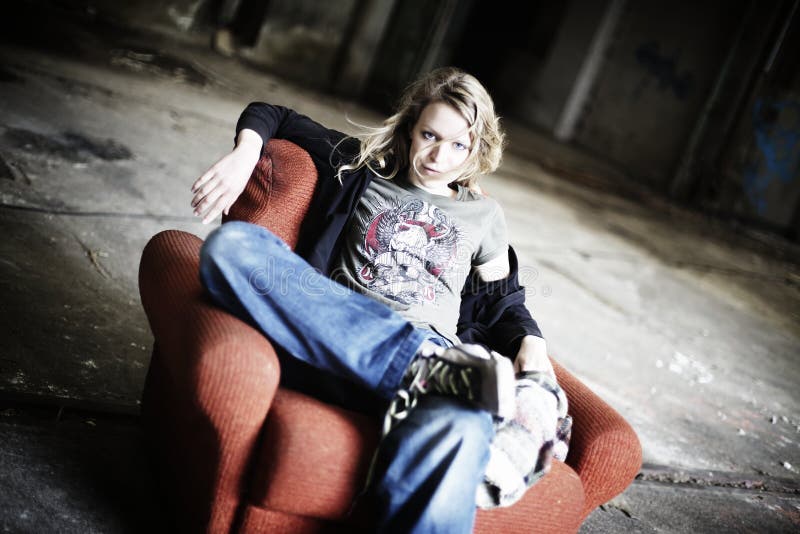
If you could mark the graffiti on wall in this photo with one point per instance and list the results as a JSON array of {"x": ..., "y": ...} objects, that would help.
[
  {"x": 776, "y": 158},
  {"x": 664, "y": 70}
]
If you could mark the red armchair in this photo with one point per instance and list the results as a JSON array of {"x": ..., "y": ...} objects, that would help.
[{"x": 237, "y": 453}]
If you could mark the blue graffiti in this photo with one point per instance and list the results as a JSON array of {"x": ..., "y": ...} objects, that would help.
[
  {"x": 778, "y": 145},
  {"x": 665, "y": 70}
]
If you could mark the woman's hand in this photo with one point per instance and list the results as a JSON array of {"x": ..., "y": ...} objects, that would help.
[
  {"x": 219, "y": 187},
  {"x": 532, "y": 356}
]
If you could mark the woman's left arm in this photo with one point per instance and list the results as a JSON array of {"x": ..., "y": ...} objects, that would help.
[
  {"x": 532, "y": 356},
  {"x": 494, "y": 269},
  {"x": 500, "y": 305}
]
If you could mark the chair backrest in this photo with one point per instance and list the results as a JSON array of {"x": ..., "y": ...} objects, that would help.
[{"x": 279, "y": 191}]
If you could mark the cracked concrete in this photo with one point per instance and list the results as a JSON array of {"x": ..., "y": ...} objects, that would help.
[{"x": 687, "y": 326}]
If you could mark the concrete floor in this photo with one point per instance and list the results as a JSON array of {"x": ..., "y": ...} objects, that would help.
[{"x": 688, "y": 326}]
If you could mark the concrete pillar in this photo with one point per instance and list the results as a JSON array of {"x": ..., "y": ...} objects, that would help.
[
  {"x": 546, "y": 94},
  {"x": 724, "y": 104},
  {"x": 360, "y": 48},
  {"x": 565, "y": 126},
  {"x": 302, "y": 39}
]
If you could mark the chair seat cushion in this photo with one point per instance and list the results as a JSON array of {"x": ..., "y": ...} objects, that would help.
[
  {"x": 313, "y": 461},
  {"x": 314, "y": 457}
]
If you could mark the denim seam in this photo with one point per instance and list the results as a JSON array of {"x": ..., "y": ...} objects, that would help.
[{"x": 402, "y": 358}]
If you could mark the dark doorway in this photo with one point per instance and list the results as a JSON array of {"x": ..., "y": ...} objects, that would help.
[{"x": 504, "y": 44}]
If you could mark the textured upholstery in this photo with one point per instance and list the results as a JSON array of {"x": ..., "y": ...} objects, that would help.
[
  {"x": 297, "y": 463},
  {"x": 279, "y": 192},
  {"x": 604, "y": 449},
  {"x": 235, "y": 452}
]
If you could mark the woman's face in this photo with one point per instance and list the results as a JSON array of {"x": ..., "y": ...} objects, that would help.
[{"x": 437, "y": 166}]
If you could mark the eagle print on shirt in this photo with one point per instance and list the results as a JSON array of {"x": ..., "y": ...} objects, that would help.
[{"x": 409, "y": 246}]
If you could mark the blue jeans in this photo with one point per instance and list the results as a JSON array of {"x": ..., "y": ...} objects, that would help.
[{"x": 426, "y": 470}]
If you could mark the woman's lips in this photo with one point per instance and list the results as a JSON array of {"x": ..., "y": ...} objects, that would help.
[{"x": 431, "y": 171}]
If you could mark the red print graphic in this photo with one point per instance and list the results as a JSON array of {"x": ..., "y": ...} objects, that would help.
[{"x": 409, "y": 248}]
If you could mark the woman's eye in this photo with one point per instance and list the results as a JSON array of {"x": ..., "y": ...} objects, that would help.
[
  {"x": 428, "y": 135},
  {"x": 459, "y": 146}
]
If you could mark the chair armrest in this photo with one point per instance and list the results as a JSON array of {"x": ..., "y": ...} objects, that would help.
[
  {"x": 279, "y": 191},
  {"x": 604, "y": 450},
  {"x": 208, "y": 390}
]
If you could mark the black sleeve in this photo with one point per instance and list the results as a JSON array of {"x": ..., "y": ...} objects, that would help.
[
  {"x": 278, "y": 122},
  {"x": 515, "y": 323},
  {"x": 494, "y": 313}
]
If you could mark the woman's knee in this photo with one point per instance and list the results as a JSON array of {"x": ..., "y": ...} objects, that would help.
[
  {"x": 237, "y": 249},
  {"x": 238, "y": 239},
  {"x": 223, "y": 246},
  {"x": 451, "y": 422},
  {"x": 216, "y": 247},
  {"x": 224, "y": 241},
  {"x": 472, "y": 425}
]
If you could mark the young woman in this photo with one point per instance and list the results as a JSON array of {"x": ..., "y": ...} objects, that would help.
[{"x": 399, "y": 261}]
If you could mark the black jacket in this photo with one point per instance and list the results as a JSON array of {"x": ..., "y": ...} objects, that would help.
[{"x": 492, "y": 313}]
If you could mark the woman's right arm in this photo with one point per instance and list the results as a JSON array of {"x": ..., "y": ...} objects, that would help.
[
  {"x": 270, "y": 121},
  {"x": 219, "y": 187}
]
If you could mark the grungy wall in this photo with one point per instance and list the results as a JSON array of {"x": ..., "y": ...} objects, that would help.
[
  {"x": 543, "y": 99},
  {"x": 668, "y": 91},
  {"x": 654, "y": 81},
  {"x": 759, "y": 171},
  {"x": 301, "y": 39}
]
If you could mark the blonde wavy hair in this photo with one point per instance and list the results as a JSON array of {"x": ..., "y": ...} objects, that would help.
[{"x": 384, "y": 149}]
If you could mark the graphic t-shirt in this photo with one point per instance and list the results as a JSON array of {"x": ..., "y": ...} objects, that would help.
[{"x": 413, "y": 250}]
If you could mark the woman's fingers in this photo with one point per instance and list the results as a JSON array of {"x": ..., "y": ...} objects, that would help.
[
  {"x": 200, "y": 197},
  {"x": 204, "y": 178},
  {"x": 214, "y": 209},
  {"x": 204, "y": 206},
  {"x": 220, "y": 186},
  {"x": 210, "y": 184},
  {"x": 204, "y": 193},
  {"x": 217, "y": 185}
]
